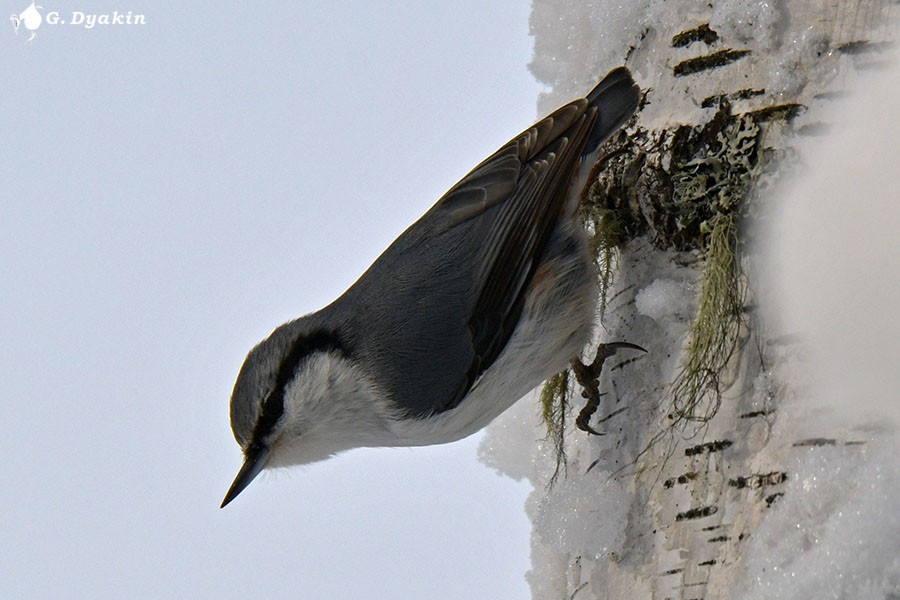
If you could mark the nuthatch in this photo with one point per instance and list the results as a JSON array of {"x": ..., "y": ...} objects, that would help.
[{"x": 489, "y": 293}]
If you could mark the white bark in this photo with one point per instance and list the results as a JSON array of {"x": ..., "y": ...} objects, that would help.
[{"x": 680, "y": 520}]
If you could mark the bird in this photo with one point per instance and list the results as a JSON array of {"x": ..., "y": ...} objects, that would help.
[{"x": 489, "y": 293}]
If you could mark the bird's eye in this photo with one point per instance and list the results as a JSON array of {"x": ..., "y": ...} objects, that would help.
[
  {"x": 270, "y": 412},
  {"x": 272, "y": 406}
]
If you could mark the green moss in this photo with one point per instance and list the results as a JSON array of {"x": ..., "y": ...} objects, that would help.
[
  {"x": 606, "y": 237},
  {"x": 715, "y": 330},
  {"x": 718, "y": 179},
  {"x": 554, "y": 408},
  {"x": 715, "y": 183}
]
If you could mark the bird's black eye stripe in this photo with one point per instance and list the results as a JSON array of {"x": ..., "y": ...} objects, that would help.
[{"x": 301, "y": 349}]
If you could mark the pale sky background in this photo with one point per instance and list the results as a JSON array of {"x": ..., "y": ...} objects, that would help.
[{"x": 172, "y": 192}]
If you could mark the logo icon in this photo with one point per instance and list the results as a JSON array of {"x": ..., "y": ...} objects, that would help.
[{"x": 30, "y": 18}]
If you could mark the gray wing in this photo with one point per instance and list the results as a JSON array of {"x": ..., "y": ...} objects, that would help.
[{"x": 438, "y": 307}]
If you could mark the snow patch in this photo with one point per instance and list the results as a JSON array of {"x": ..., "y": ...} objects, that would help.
[
  {"x": 748, "y": 22},
  {"x": 509, "y": 443},
  {"x": 835, "y": 532},
  {"x": 584, "y": 516},
  {"x": 666, "y": 298}
]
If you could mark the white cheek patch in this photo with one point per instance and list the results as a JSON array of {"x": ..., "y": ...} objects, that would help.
[{"x": 330, "y": 406}]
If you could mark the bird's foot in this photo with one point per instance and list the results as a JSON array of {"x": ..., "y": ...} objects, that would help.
[{"x": 588, "y": 377}]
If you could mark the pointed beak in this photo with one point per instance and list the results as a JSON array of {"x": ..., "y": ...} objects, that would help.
[{"x": 254, "y": 461}]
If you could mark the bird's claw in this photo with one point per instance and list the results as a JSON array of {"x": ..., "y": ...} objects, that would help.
[{"x": 588, "y": 377}]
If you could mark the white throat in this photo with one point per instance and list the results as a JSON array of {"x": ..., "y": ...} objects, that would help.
[{"x": 330, "y": 406}]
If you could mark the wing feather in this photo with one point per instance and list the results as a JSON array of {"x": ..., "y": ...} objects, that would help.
[
  {"x": 526, "y": 213},
  {"x": 464, "y": 267}
]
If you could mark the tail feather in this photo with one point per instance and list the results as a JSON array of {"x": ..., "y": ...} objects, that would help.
[{"x": 616, "y": 98}]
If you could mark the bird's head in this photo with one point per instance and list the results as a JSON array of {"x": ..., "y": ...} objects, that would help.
[{"x": 300, "y": 398}]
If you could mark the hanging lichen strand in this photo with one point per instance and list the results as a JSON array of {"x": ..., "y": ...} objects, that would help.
[
  {"x": 716, "y": 183},
  {"x": 714, "y": 333},
  {"x": 554, "y": 411}
]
